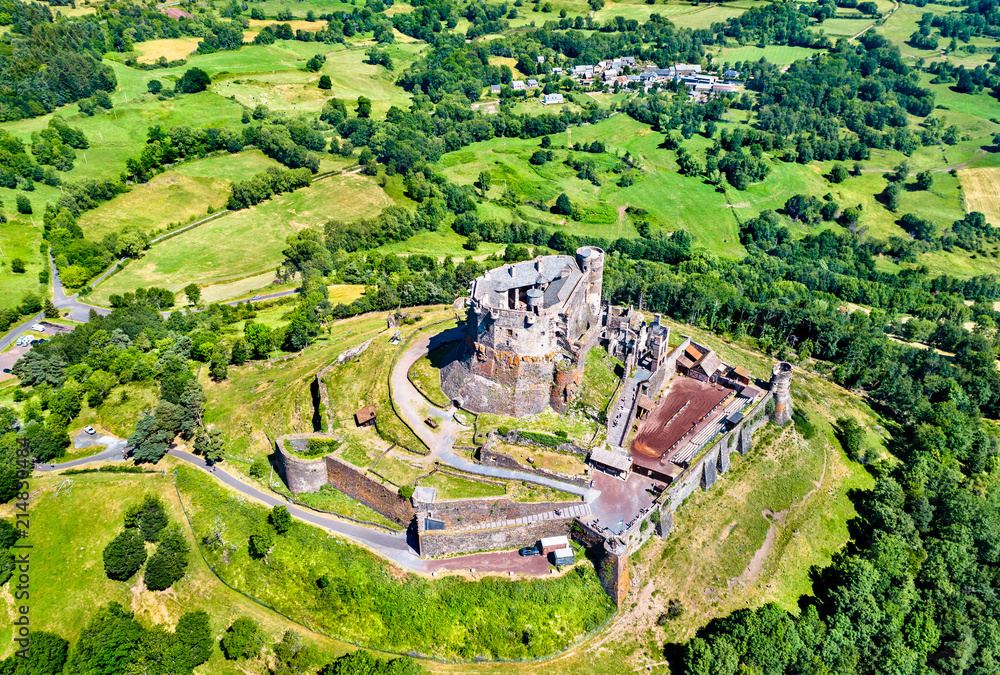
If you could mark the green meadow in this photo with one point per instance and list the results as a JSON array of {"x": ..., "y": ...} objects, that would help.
[{"x": 246, "y": 242}]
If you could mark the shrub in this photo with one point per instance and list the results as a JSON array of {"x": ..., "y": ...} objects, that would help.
[
  {"x": 192, "y": 81},
  {"x": 124, "y": 555},
  {"x": 324, "y": 82},
  {"x": 563, "y": 205},
  {"x": 281, "y": 519},
  {"x": 260, "y": 467},
  {"x": 406, "y": 491},
  {"x": 17, "y": 266},
  {"x": 23, "y": 205},
  {"x": 242, "y": 640},
  {"x": 261, "y": 541}
]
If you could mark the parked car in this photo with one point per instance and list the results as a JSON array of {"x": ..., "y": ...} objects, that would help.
[
  {"x": 529, "y": 550},
  {"x": 6, "y": 370},
  {"x": 431, "y": 423},
  {"x": 38, "y": 327},
  {"x": 90, "y": 430}
]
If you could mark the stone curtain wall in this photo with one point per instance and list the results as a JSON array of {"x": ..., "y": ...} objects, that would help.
[
  {"x": 443, "y": 542},
  {"x": 490, "y": 457},
  {"x": 372, "y": 494},
  {"x": 300, "y": 475},
  {"x": 466, "y": 513}
]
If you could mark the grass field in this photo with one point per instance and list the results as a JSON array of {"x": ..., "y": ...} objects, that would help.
[
  {"x": 19, "y": 239},
  {"x": 981, "y": 188},
  {"x": 65, "y": 603},
  {"x": 452, "y": 487},
  {"x": 425, "y": 375},
  {"x": 328, "y": 498},
  {"x": 175, "y": 196},
  {"x": 169, "y": 48},
  {"x": 776, "y": 54},
  {"x": 249, "y": 241}
]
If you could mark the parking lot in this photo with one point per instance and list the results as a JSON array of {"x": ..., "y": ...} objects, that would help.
[{"x": 10, "y": 357}]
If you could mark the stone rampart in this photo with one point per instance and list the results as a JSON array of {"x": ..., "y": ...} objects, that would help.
[
  {"x": 372, "y": 494},
  {"x": 444, "y": 542},
  {"x": 464, "y": 513},
  {"x": 300, "y": 475},
  {"x": 490, "y": 457}
]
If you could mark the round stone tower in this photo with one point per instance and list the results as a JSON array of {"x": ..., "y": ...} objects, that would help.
[{"x": 781, "y": 383}]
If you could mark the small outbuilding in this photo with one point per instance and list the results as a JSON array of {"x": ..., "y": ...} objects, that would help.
[
  {"x": 563, "y": 556},
  {"x": 365, "y": 417},
  {"x": 552, "y": 544}
]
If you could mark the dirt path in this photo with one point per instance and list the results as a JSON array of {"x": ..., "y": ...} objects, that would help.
[
  {"x": 756, "y": 563},
  {"x": 875, "y": 23},
  {"x": 621, "y": 217},
  {"x": 943, "y": 169}
]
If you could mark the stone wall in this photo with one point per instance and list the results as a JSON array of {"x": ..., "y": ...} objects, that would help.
[
  {"x": 514, "y": 438},
  {"x": 372, "y": 494},
  {"x": 490, "y": 457},
  {"x": 444, "y": 542},
  {"x": 613, "y": 571},
  {"x": 471, "y": 512},
  {"x": 300, "y": 475}
]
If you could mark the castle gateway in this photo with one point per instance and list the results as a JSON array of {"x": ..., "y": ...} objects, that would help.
[{"x": 529, "y": 327}]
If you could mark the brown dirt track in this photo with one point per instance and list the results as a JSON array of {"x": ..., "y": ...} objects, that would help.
[{"x": 658, "y": 433}]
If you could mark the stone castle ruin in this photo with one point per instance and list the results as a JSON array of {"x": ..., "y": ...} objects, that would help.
[{"x": 530, "y": 325}]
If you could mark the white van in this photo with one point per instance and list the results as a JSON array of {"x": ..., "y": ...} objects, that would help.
[{"x": 38, "y": 327}]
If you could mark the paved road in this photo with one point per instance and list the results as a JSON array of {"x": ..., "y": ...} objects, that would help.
[
  {"x": 78, "y": 311},
  {"x": 621, "y": 415},
  {"x": 8, "y": 339},
  {"x": 414, "y": 408}
]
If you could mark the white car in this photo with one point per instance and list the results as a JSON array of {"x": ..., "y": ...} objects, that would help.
[
  {"x": 38, "y": 328},
  {"x": 90, "y": 430}
]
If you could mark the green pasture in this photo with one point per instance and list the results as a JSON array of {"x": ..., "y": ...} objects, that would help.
[
  {"x": 179, "y": 195},
  {"x": 300, "y": 7},
  {"x": 248, "y": 241},
  {"x": 328, "y": 498},
  {"x": 777, "y": 54},
  {"x": 64, "y": 603},
  {"x": 116, "y": 135},
  {"x": 19, "y": 239}
]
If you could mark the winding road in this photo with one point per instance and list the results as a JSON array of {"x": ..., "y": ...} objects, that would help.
[{"x": 414, "y": 409}]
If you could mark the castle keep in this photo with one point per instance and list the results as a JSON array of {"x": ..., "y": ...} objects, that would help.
[{"x": 529, "y": 327}]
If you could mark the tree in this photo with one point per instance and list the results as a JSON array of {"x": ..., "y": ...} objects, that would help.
[
  {"x": 281, "y": 519},
  {"x": 193, "y": 634},
  {"x": 838, "y": 174},
  {"x": 192, "y": 81},
  {"x": 149, "y": 441},
  {"x": 563, "y": 205},
  {"x": 47, "y": 654},
  {"x": 325, "y": 82},
  {"x": 124, "y": 555},
  {"x": 108, "y": 643},
  {"x": 151, "y": 518},
  {"x": 925, "y": 179},
  {"x": 261, "y": 540},
  {"x": 169, "y": 562},
  {"x": 154, "y": 86},
  {"x": 23, "y": 205},
  {"x": 242, "y": 640},
  {"x": 546, "y": 142},
  {"x": 852, "y": 437},
  {"x": 364, "y": 106},
  {"x": 892, "y": 196},
  {"x": 472, "y": 241},
  {"x": 209, "y": 445},
  {"x": 193, "y": 293},
  {"x": 485, "y": 182},
  {"x": 17, "y": 266},
  {"x": 291, "y": 656}
]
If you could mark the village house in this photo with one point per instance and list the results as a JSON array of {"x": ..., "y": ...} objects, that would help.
[
  {"x": 517, "y": 85},
  {"x": 532, "y": 84},
  {"x": 494, "y": 88},
  {"x": 550, "y": 99}
]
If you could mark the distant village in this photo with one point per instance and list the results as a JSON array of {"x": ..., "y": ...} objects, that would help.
[{"x": 627, "y": 73}]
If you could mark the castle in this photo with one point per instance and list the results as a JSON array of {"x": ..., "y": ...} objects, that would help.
[{"x": 529, "y": 327}]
